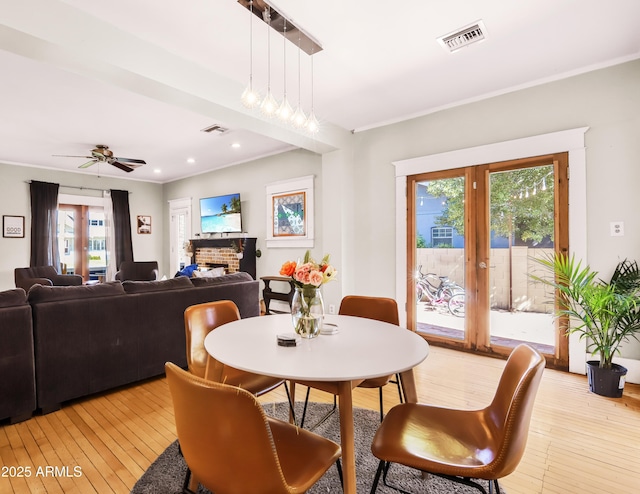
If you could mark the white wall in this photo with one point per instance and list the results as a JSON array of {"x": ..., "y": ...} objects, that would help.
[
  {"x": 606, "y": 101},
  {"x": 250, "y": 179},
  {"x": 145, "y": 198}
]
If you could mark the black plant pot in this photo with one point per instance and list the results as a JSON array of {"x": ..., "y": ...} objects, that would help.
[{"x": 606, "y": 382}]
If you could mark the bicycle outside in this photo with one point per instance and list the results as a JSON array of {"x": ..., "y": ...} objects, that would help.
[{"x": 440, "y": 291}]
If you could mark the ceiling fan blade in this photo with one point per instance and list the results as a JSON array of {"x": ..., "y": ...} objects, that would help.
[
  {"x": 131, "y": 160},
  {"x": 70, "y": 156},
  {"x": 88, "y": 163},
  {"x": 122, "y": 166}
]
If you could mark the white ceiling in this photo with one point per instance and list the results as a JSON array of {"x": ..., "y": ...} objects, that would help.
[{"x": 145, "y": 76}]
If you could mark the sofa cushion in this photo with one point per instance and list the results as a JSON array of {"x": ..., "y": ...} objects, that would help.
[
  {"x": 227, "y": 278},
  {"x": 41, "y": 293},
  {"x": 11, "y": 298},
  {"x": 178, "y": 283}
]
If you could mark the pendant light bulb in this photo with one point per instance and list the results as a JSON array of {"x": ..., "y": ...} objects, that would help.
[
  {"x": 269, "y": 105},
  {"x": 285, "y": 111},
  {"x": 312, "y": 125},
  {"x": 298, "y": 119},
  {"x": 250, "y": 98}
]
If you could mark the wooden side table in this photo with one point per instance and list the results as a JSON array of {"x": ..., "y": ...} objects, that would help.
[{"x": 268, "y": 294}]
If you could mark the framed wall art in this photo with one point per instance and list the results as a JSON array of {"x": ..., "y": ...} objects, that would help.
[
  {"x": 144, "y": 224},
  {"x": 290, "y": 213},
  {"x": 13, "y": 226}
]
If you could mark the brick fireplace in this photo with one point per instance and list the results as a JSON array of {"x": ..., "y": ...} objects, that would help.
[
  {"x": 214, "y": 257},
  {"x": 215, "y": 252}
]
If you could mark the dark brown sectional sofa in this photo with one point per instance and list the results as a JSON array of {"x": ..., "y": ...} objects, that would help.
[
  {"x": 17, "y": 372},
  {"x": 88, "y": 339}
]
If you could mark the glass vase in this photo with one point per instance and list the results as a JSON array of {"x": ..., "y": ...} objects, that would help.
[{"x": 307, "y": 311}]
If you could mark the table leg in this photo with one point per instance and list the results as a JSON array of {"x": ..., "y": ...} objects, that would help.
[
  {"x": 346, "y": 437},
  {"x": 409, "y": 386}
]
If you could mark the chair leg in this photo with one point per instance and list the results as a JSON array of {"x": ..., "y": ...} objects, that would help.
[
  {"x": 466, "y": 481},
  {"x": 383, "y": 469},
  {"x": 376, "y": 479},
  {"x": 384, "y": 479},
  {"x": 381, "y": 405},
  {"x": 398, "y": 383},
  {"x": 339, "y": 467},
  {"x": 491, "y": 484},
  {"x": 304, "y": 410},
  {"x": 323, "y": 419},
  {"x": 291, "y": 407},
  {"x": 187, "y": 477}
]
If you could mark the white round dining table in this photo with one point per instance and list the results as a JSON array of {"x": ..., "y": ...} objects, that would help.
[{"x": 360, "y": 349}]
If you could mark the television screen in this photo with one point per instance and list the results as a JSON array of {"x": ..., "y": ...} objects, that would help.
[{"x": 221, "y": 214}]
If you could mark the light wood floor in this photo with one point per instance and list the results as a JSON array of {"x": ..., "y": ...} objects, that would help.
[{"x": 578, "y": 442}]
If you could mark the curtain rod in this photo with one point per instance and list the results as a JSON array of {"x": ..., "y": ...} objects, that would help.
[{"x": 80, "y": 187}]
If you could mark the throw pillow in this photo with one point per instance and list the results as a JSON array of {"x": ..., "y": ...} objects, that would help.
[
  {"x": 187, "y": 270},
  {"x": 211, "y": 273}
]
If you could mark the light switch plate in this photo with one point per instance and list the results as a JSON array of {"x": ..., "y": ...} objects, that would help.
[{"x": 617, "y": 228}]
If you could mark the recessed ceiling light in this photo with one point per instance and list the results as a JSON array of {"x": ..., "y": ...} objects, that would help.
[
  {"x": 191, "y": 161},
  {"x": 157, "y": 170},
  {"x": 235, "y": 145}
]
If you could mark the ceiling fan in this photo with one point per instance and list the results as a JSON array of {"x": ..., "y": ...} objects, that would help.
[{"x": 102, "y": 154}]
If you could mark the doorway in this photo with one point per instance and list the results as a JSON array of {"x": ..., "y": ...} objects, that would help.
[
  {"x": 473, "y": 234},
  {"x": 179, "y": 234}
]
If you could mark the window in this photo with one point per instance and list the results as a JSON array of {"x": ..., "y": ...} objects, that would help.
[{"x": 442, "y": 236}]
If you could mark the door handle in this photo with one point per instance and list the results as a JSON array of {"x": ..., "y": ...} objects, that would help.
[{"x": 482, "y": 265}]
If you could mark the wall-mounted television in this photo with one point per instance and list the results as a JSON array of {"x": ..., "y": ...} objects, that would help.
[{"x": 221, "y": 214}]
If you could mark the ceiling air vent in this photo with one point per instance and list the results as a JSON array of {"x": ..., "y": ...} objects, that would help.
[
  {"x": 463, "y": 37},
  {"x": 215, "y": 129}
]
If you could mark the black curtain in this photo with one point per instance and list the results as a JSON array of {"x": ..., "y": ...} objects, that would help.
[
  {"x": 44, "y": 225},
  {"x": 122, "y": 226}
]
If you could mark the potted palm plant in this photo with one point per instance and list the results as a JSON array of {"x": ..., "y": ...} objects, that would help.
[{"x": 606, "y": 314}]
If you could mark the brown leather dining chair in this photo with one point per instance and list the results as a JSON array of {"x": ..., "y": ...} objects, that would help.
[
  {"x": 377, "y": 308},
  {"x": 461, "y": 445},
  {"x": 201, "y": 319},
  {"x": 233, "y": 447}
]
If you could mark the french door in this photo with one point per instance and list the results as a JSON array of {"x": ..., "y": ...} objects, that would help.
[
  {"x": 473, "y": 236},
  {"x": 82, "y": 240}
]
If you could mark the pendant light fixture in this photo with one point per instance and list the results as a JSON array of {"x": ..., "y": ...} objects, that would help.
[
  {"x": 269, "y": 105},
  {"x": 250, "y": 98},
  {"x": 298, "y": 119},
  {"x": 285, "y": 111}
]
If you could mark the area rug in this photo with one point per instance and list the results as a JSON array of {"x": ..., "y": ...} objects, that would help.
[{"x": 166, "y": 474}]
